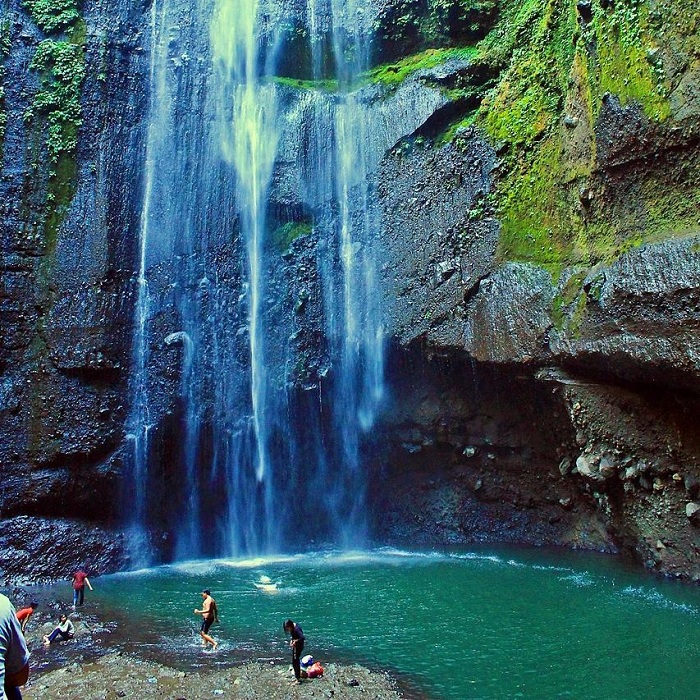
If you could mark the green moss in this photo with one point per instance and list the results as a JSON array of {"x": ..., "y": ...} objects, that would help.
[
  {"x": 622, "y": 64},
  {"x": 453, "y": 130},
  {"x": 548, "y": 58},
  {"x": 61, "y": 65},
  {"x": 395, "y": 73},
  {"x": 668, "y": 211},
  {"x": 532, "y": 209},
  {"x": 562, "y": 301},
  {"x": 283, "y": 236},
  {"x": 61, "y": 189},
  {"x": 529, "y": 97},
  {"x": 52, "y": 15},
  {"x": 388, "y": 74},
  {"x": 577, "y": 316},
  {"x": 326, "y": 85}
]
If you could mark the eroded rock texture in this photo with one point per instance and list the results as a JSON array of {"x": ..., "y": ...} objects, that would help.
[{"x": 537, "y": 203}]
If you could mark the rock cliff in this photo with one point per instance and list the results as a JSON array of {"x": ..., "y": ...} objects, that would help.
[{"x": 536, "y": 171}]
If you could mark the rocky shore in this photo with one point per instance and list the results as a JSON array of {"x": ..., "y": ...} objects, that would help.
[
  {"x": 101, "y": 663},
  {"x": 117, "y": 675}
]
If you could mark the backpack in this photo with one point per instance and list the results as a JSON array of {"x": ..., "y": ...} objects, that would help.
[{"x": 315, "y": 671}]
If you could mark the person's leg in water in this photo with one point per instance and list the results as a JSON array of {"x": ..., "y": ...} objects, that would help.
[
  {"x": 76, "y": 594},
  {"x": 204, "y": 634}
]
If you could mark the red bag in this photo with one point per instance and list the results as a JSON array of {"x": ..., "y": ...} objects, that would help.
[{"x": 315, "y": 671}]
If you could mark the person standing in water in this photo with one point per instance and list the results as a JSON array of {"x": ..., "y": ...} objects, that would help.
[
  {"x": 297, "y": 645},
  {"x": 209, "y": 616},
  {"x": 80, "y": 580}
]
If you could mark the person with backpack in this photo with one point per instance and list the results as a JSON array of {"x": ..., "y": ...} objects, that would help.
[{"x": 209, "y": 615}]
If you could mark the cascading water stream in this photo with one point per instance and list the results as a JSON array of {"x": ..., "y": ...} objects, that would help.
[
  {"x": 240, "y": 438},
  {"x": 249, "y": 143},
  {"x": 248, "y": 119},
  {"x": 139, "y": 421},
  {"x": 352, "y": 307}
]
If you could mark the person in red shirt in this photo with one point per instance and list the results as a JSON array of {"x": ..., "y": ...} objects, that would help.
[
  {"x": 24, "y": 614},
  {"x": 80, "y": 580}
]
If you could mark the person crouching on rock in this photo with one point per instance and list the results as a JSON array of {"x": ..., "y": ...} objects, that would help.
[
  {"x": 209, "y": 616},
  {"x": 65, "y": 630}
]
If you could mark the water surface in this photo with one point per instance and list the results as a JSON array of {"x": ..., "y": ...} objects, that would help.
[{"x": 497, "y": 623}]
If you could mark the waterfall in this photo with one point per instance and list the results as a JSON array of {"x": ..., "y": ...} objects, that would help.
[
  {"x": 248, "y": 114},
  {"x": 348, "y": 219},
  {"x": 139, "y": 420},
  {"x": 242, "y": 460}
]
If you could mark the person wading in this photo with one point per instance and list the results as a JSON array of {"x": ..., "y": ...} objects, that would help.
[
  {"x": 209, "y": 616},
  {"x": 80, "y": 580}
]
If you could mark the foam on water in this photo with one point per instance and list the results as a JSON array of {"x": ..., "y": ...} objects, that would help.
[
  {"x": 657, "y": 599},
  {"x": 580, "y": 579}
]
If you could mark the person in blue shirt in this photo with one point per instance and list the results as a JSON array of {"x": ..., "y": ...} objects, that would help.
[
  {"x": 297, "y": 645},
  {"x": 14, "y": 669}
]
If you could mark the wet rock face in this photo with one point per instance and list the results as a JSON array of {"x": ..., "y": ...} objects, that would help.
[
  {"x": 477, "y": 453},
  {"x": 534, "y": 408},
  {"x": 45, "y": 549},
  {"x": 637, "y": 456},
  {"x": 614, "y": 350},
  {"x": 614, "y": 345},
  {"x": 436, "y": 241},
  {"x": 609, "y": 352},
  {"x": 641, "y": 318},
  {"x": 66, "y": 299}
]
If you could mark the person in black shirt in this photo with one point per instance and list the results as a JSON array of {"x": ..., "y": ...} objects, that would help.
[{"x": 297, "y": 644}]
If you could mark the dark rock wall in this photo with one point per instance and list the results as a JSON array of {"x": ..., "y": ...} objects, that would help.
[
  {"x": 535, "y": 395},
  {"x": 67, "y": 249}
]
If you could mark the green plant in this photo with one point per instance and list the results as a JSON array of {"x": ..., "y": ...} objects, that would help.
[
  {"x": 52, "y": 15},
  {"x": 5, "y": 38},
  {"x": 283, "y": 236},
  {"x": 61, "y": 65},
  {"x": 5, "y": 44}
]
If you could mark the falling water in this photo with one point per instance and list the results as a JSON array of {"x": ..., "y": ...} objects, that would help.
[
  {"x": 239, "y": 439},
  {"x": 347, "y": 217},
  {"x": 139, "y": 420}
]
